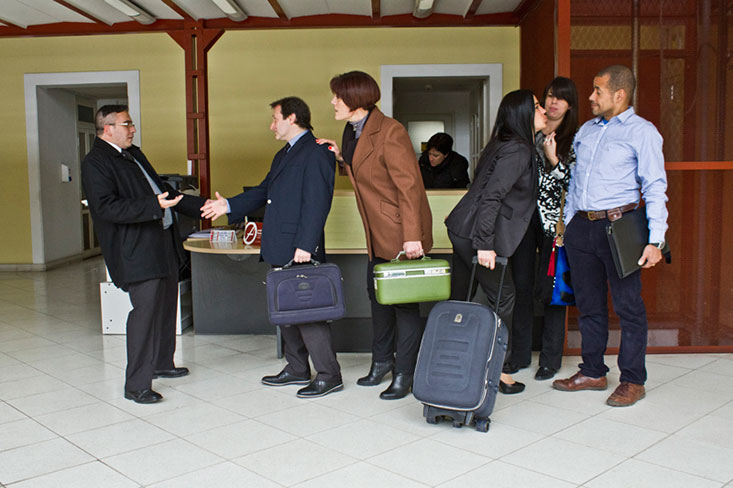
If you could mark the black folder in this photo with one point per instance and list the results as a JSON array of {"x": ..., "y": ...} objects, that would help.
[{"x": 628, "y": 236}]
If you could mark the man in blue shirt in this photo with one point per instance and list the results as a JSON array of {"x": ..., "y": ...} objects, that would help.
[{"x": 619, "y": 154}]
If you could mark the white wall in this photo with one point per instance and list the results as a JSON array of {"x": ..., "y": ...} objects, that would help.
[{"x": 61, "y": 213}]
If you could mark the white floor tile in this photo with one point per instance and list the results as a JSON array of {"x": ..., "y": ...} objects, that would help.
[
  {"x": 689, "y": 361},
  {"x": 706, "y": 381},
  {"x": 162, "y": 461},
  {"x": 261, "y": 402},
  {"x": 22, "y": 433},
  {"x": 616, "y": 437},
  {"x": 239, "y": 439},
  {"x": 536, "y": 417},
  {"x": 428, "y": 461},
  {"x": 118, "y": 438},
  {"x": 294, "y": 462},
  {"x": 360, "y": 475},
  {"x": 638, "y": 474},
  {"x": 583, "y": 402},
  {"x": 564, "y": 460},
  {"x": 361, "y": 401},
  {"x": 90, "y": 475},
  {"x": 720, "y": 366},
  {"x": 501, "y": 475},
  {"x": 19, "y": 388},
  {"x": 79, "y": 419},
  {"x": 726, "y": 411},
  {"x": 38, "y": 459},
  {"x": 692, "y": 457},
  {"x": 215, "y": 388},
  {"x": 307, "y": 418},
  {"x": 224, "y": 475},
  {"x": 373, "y": 438},
  {"x": 716, "y": 431},
  {"x": 500, "y": 440},
  {"x": 9, "y": 414}
]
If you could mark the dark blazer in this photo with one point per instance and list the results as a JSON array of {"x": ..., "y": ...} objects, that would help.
[
  {"x": 388, "y": 187},
  {"x": 297, "y": 193},
  {"x": 127, "y": 218},
  {"x": 496, "y": 210},
  {"x": 451, "y": 173}
]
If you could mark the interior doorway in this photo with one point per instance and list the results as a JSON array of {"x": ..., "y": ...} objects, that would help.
[
  {"x": 459, "y": 99},
  {"x": 60, "y": 129}
]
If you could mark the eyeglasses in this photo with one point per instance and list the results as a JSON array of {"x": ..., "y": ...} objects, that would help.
[{"x": 127, "y": 124}]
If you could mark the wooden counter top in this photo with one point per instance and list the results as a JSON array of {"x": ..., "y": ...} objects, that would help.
[{"x": 238, "y": 247}]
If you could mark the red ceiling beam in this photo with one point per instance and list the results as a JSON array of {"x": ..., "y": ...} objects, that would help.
[
  {"x": 525, "y": 7},
  {"x": 79, "y": 11},
  {"x": 472, "y": 9},
  {"x": 174, "y": 6},
  {"x": 278, "y": 10},
  {"x": 376, "y": 5}
]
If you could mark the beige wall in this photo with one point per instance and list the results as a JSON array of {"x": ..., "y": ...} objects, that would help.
[{"x": 247, "y": 70}]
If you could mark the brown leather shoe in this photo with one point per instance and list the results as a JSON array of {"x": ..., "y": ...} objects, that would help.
[
  {"x": 579, "y": 382},
  {"x": 626, "y": 394}
]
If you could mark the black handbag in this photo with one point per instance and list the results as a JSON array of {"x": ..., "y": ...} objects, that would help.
[{"x": 299, "y": 294}]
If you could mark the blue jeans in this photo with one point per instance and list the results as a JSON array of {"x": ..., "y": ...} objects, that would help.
[{"x": 592, "y": 271}]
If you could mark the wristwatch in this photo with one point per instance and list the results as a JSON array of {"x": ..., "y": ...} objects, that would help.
[{"x": 658, "y": 245}]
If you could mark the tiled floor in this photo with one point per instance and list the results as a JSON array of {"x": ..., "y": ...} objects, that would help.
[{"x": 64, "y": 423}]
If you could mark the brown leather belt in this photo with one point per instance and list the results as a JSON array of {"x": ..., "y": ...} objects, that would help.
[{"x": 612, "y": 214}]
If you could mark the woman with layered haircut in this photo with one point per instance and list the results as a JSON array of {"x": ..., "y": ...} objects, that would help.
[
  {"x": 378, "y": 157},
  {"x": 554, "y": 145},
  {"x": 491, "y": 219}
]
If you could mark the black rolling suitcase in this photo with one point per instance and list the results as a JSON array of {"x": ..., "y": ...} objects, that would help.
[{"x": 460, "y": 361}]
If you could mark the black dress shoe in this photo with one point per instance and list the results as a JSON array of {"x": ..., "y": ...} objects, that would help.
[
  {"x": 511, "y": 388},
  {"x": 170, "y": 373},
  {"x": 377, "y": 371},
  {"x": 544, "y": 373},
  {"x": 511, "y": 368},
  {"x": 144, "y": 396},
  {"x": 399, "y": 388},
  {"x": 319, "y": 388},
  {"x": 285, "y": 378}
]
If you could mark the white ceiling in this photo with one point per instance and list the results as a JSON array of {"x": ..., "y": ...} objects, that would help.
[{"x": 24, "y": 13}]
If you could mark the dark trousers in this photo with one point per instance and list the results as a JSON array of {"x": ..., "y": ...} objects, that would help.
[
  {"x": 151, "y": 330},
  {"x": 593, "y": 270},
  {"x": 315, "y": 339},
  {"x": 525, "y": 274},
  {"x": 460, "y": 283},
  {"x": 397, "y": 329}
]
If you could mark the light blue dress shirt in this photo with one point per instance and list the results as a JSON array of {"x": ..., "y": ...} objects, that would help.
[{"x": 616, "y": 160}]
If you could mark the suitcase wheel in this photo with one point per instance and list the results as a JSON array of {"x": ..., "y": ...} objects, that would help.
[
  {"x": 457, "y": 424},
  {"x": 431, "y": 420},
  {"x": 482, "y": 425}
]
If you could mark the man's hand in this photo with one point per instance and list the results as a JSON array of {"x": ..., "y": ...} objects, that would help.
[
  {"x": 413, "y": 249},
  {"x": 301, "y": 256},
  {"x": 487, "y": 259},
  {"x": 213, "y": 209},
  {"x": 650, "y": 257},
  {"x": 164, "y": 203}
]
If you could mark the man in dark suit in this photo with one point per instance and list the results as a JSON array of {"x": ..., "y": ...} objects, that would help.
[
  {"x": 132, "y": 213},
  {"x": 297, "y": 193}
]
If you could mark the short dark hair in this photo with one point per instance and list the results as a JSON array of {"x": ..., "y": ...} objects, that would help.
[
  {"x": 515, "y": 117},
  {"x": 620, "y": 77},
  {"x": 295, "y": 105},
  {"x": 101, "y": 118},
  {"x": 440, "y": 141},
  {"x": 564, "y": 89},
  {"x": 357, "y": 89}
]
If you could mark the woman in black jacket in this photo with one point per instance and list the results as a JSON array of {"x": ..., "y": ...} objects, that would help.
[
  {"x": 441, "y": 166},
  {"x": 491, "y": 219}
]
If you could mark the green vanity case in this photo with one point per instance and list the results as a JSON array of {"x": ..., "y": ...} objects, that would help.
[{"x": 412, "y": 281}]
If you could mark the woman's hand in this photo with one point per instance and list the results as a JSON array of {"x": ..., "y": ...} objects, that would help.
[
  {"x": 333, "y": 147},
  {"x": 413, "y": 249},
  {"x": 487, "y": 259},
  {"x": 550, "y": 147}
]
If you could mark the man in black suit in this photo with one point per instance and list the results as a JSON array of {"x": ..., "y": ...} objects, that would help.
[
  {"x": 132, "y": 213},
  {"x": 297, "y": 193}
]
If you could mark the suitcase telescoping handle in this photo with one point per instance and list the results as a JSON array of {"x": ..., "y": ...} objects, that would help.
[
  {"x": 290, "y": 263},
  {"x": 503, "y": 261}
]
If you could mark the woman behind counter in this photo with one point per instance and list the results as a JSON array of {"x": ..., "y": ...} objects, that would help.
[
  {"x": 440, "y": 166},
  {"x": 554, "y": 145},
  {"x": 492, "y": 217},
  {"x": 377, "y": 154}
]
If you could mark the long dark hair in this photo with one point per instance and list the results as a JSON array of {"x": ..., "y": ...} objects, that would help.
[
  {"x": 564, "y": 89},
  {"x": 515, "y": 118}
]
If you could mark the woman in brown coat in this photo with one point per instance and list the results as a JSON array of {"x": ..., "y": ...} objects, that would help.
[{"x": 378, "y": 157}]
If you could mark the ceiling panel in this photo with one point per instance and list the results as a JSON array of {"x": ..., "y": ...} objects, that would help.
[
  {"x": 497, "y": 6},
  {"x": 351, "y": 7},
  {"x": 52, "y": 9},
  {"x": 100, "y": 10},
  {"x": 452, "y": 7},
  {"x": 396, "y": 7},
  {"x": 257, "y": 8},
  {"x": 300, "y": 8}
]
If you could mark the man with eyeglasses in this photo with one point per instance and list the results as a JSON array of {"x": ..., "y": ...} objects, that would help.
[{"x": 131, "y": 209}]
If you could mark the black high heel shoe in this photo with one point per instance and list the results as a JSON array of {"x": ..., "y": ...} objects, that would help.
[
  {"x": 377, "y": 372},
  {"x": 511, "y": 388},
  {"x": 399, "y": 388}
]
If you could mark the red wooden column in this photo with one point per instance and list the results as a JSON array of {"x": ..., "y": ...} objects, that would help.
[
  {"x": 562, "y": 41},
  {"x": 196, "y": 42}
]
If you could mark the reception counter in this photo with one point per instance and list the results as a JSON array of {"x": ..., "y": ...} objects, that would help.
[{"x": 228, "y": 278}]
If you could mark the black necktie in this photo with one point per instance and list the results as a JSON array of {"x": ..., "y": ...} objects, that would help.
[
  {"x": 287, "y": 147},
  {"x": 127, "y": 155}
]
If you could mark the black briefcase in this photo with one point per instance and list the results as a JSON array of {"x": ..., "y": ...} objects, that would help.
[
  {"x": 627, "y": 237},
  {"x": 299, "y": 294}
]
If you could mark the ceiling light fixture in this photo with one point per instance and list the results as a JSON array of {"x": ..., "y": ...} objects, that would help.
[
  {"x": 131, "y": 10},
  {"x": 231, "y": 9},
  {"x": 423, "y": 8}
]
